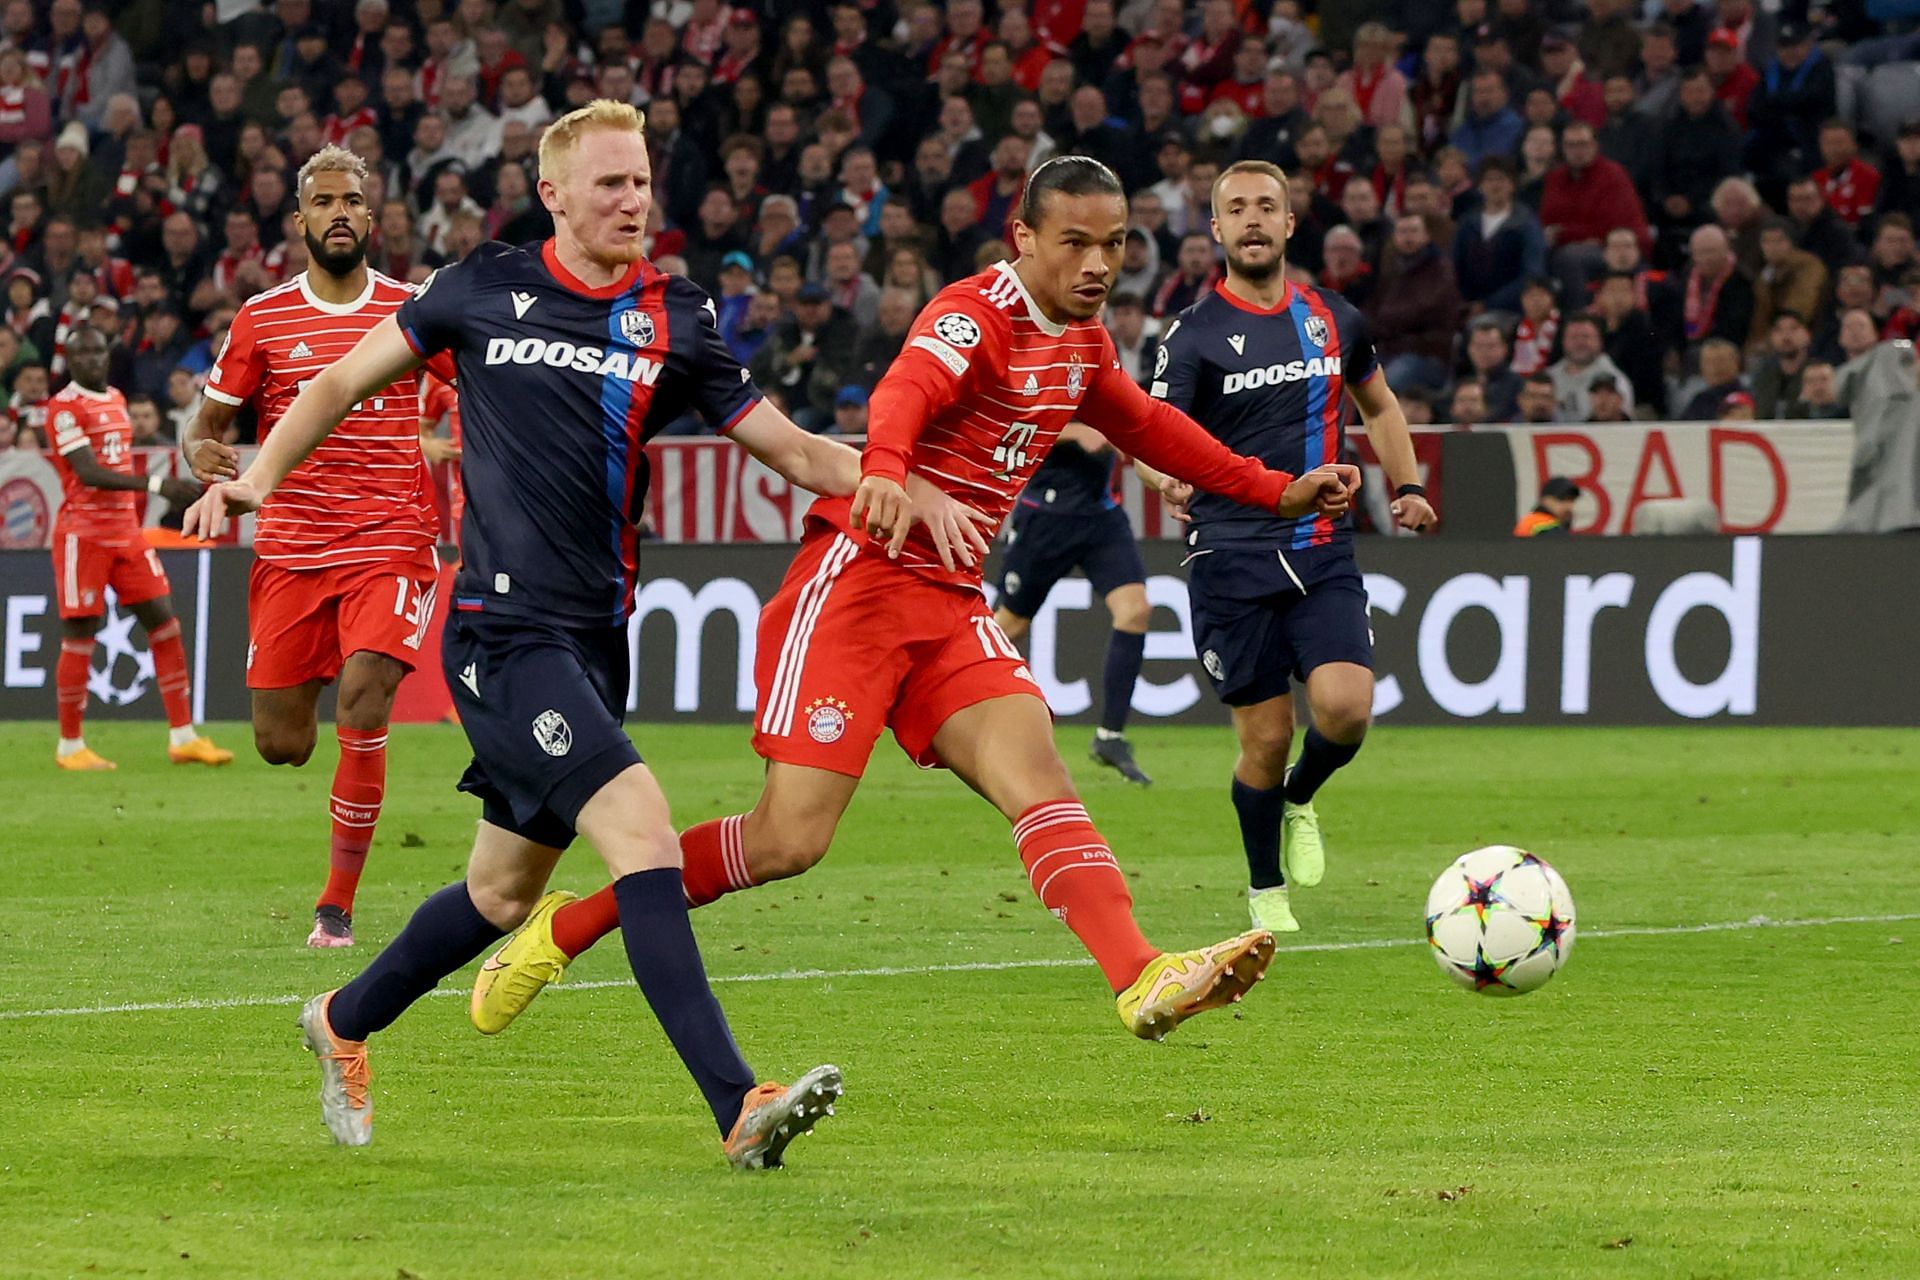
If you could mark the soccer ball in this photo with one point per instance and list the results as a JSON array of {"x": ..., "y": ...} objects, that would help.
[{"x": 1500, "y": 920}]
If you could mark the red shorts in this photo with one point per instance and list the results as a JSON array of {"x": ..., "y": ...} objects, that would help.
[
  {"x": 84, "y": 569},
  {"x": 852, "y": 643},
  {"x": 304, "y": 624}
]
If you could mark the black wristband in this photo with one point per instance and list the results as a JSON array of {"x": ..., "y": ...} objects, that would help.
[{"x": 1410, "y": 491}]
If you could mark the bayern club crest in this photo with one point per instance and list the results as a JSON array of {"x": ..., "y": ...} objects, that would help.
[
  {"x": 1076, "y": 378},
  {"x": 1317, "y": 331},
  {"x": 637, "y": 327},
  {"x": 827, "y": 719}
]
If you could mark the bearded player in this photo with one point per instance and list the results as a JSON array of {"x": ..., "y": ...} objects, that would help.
[
  {"x": 343, "y": 582},
  {"x": 97, "y": 543},
  {"x": 1263, "y": 364},
  {"x": 855, "y": 641}
]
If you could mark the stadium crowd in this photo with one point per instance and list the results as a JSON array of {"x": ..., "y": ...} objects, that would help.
[{"x": 1547, "y": 210}]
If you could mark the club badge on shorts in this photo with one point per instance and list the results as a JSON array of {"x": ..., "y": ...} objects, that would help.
[
  {"x": 553, "y": 733},
  {"x": 827, "y": 719}
]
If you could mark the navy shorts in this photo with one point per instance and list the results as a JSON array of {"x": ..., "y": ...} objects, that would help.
[
  {"x": 542, "y": 706},
  {"x": 1045, "y": 546},
  {"x": 1255, "y": 629}
]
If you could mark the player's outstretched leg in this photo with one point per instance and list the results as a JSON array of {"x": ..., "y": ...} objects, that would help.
[
  {"x": 70, "y": 674},
  {"x": 562, "y": 928},
  {"x": 788, "y": 831},
  {"x": 1003, "y": 748},
  {"x": 628, "y": 823}
]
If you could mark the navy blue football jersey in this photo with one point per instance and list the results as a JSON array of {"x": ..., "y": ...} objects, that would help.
[
  {"x": 1269, "y": 385},
  {"x": 560, "y": 386},
  {"x": 1072, "y": 481}
]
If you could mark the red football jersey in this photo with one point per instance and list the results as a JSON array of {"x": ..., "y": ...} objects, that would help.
[
  {"x": 96, "y": 420},
  {"x": 981, "y": 390},
  {"x": 363, "y": 495}
]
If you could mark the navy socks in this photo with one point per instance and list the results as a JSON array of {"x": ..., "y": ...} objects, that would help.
[
  {"x": 445, "y": 934},
  {"x": 1125, "y": 651},
  {"x": 1260, "y": 813},
  {"x": 1317, "y": 762}
]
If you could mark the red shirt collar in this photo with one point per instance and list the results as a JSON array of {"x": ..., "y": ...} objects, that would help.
[
  {"x": 1241, "y": 304},
  {"x": 575, "y": 283}
]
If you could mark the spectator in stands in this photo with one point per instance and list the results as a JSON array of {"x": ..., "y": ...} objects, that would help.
[
  {"x": 1858, "y": 335},
  {"x": 1899, "y": 174},
  {"x": 997, "y": 195},
  {"x": 1790, "y": 279},
  {"x": 1361, "y": 207},
  {"x": 1737, "y": 407},
  {"x": 848, "y": 287},
  {"x": 149, "y": 428},
  {"x": 1490, "y": 126},
  {"x": 1695, "y": 148},
  {"x": 450, "y": 200},
  {"x": 1732, "y": 77},
  {"x": 1585, "y": 198},
  {"x": 1134, "y": 342},
  {"x": 1415, "y": 312},
  {"x": 807, "y": 357},
  {"x": 183, "y": 399},
  {"x": 1656, "y": 84},
  {"x": 1344, "y": 268},
  {"x": 1720, "y": 376},
  {"x": 1583, "y": 360},
  {"x": 1893, "y": 255},
  {"x": 880, "y": 344},
  {"x": 1538, "y": 330},
  {"x": 1795, "y": 97},
  {"x": 1850, "y": 185},
  {"x": 1487, "y": 355},
  {"x": 1606, "y": 401},
  {"x": 1819, "y": 395},
  {"x": 1775, "y": 375},
  {"x": 1741, "y": 213},
  {"x": 27, "y": 407},
  {"x": 1500, "y": 246},
  {"x": 849, "y": 412},
  {"x": 1631, "y": 340},
  {"x": 1817, "y": 228},
  {"x": 752, "y": 329},
  {"x": 1609, "y": 42},
  {"x": 1717, "y": 299},
  {"x": 1577, "y": 93},
  {"x": 1376, "y": 87},
  {"x": 25, "y": 109},
  {"x": 1098, "y": 44},
  {"x": 1468, "y": 405},
  {"x": 1196, "y": 271},
  {"x": 162, "y": 345},
  {"x": 1534, "y": 406}
]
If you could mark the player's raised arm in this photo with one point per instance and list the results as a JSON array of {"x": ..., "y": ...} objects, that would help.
[
  {"x": 1393, "y": 441},
  {"x": 1169, "y": 441},
  {"x": 376, "y": 361}
]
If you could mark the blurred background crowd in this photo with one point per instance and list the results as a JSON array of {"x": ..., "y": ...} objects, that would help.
[{"x": 1548, "y": 210}]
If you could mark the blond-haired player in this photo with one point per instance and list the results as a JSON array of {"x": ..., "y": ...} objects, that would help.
[{"x": 570, "y": 354}]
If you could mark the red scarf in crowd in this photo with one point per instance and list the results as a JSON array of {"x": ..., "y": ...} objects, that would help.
[{"x": 1703, "y": 301}]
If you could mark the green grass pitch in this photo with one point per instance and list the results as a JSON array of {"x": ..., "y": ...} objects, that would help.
[{"x": 1680, "y": 1102}]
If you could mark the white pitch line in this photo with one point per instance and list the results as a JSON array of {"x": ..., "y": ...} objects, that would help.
[{"x": 972, "y": 966}]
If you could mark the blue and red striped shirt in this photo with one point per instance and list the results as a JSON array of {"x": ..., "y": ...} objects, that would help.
[
  {"x": 560, "y": 386},
  {"x": 1269, "y": 384}
]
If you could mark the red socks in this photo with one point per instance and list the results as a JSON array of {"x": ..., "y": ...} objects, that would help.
[
  {"x": 713, "y": 858},
  {"x": 1076, "y": 878},
  {"x": 70, "y": 682},
  {"x": 170, "y": 670},
  {"x": 359, "y": 785}
]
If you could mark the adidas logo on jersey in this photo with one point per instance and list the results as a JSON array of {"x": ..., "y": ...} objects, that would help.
[
  {"x": 565, "y": 355},
  {"x": 1274, "y": 375},
  {"x": 1033, "y": 386},
  {"x": 301, "y": 351}
]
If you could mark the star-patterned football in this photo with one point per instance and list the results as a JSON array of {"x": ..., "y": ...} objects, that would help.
[{"x": 1500, "y": 921}]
